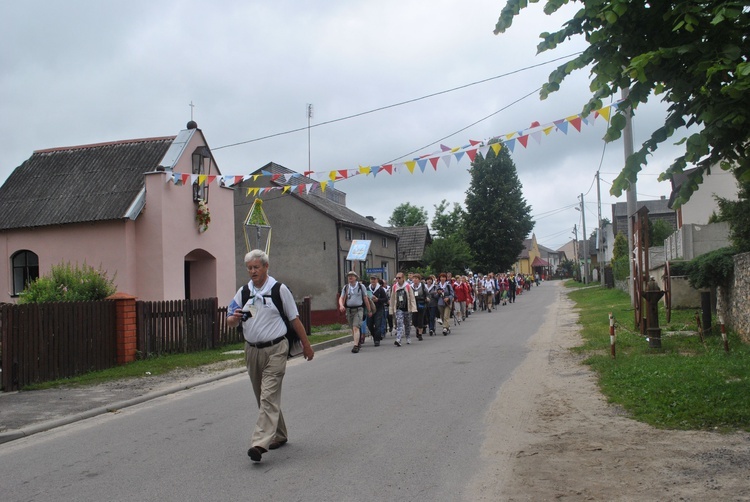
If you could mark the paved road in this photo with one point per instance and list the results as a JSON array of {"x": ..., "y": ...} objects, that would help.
[{"x": 388, "y": 423}]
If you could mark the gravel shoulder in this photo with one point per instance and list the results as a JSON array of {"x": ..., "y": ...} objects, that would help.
[{"x": 552, "y": 436}]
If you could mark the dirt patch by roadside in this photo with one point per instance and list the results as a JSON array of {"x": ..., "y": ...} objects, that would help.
[{"x": 560, "y": 440}]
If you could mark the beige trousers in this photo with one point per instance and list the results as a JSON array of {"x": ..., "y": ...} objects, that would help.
[{"x": 266, "y": 368}]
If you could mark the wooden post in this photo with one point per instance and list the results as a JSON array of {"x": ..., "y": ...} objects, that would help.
[
  {"x": 723, "y": 333},
  {"x": 612, "y": 335}
]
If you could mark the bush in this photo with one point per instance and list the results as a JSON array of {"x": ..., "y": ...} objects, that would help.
[
  {"x": 621, "y": 268},
  {"x": 679, "y": 268},
  {"x": 69, "y": 284},
  {"x": 712, "y": 269}
]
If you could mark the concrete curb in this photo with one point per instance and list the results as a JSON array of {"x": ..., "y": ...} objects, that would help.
[{"x": 12, "y": 435}]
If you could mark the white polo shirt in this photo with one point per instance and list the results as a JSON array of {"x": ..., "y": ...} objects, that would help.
[{"x": 266, "y": 324}]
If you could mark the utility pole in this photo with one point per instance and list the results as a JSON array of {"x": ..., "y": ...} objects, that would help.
[
  {"x": 599, "y": 234},
  {"x": 632, "y": 198},
  {"x": 585, "y": 245},
  {"x": 575, "y": 248}
]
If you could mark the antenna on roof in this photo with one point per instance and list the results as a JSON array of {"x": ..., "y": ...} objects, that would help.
[{"x": 309, "y": 118}]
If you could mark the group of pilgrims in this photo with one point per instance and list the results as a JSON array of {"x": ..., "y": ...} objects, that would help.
[{"x": 428, "y": 304}]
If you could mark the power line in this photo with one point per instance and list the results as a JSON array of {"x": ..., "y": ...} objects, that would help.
[
  {"x": 397, "y": 104},
  {"x": 467, "y": 127},
  {"x": 552, "y": 212}
]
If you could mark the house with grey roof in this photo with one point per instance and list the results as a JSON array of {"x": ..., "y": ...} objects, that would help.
[
  {"x": 412, "y": 244},
  {"x": 658, "y": 209},
  {"x": 112, "y": 206},
  {"x": 309, "y": 234}
]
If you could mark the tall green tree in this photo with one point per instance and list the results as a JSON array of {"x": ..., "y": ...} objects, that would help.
[
  {"x": 450, "y": 254},
  {"x": 498, "y": 217},
  {"x": 448, "y": 224},
  {"x": 693, "y": 54},
  {"x": 408, "y": 215}
]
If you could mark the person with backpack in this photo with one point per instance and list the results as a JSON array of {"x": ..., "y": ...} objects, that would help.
[
  {"x": 353, "y": 301},
  {"x": 266, "y": 318},
  {"x": 421, "y": 297},
  {"x": 380, "y": 299},
  {"x": 444, "y": 295},
  {"x": 402, "y": 304}
]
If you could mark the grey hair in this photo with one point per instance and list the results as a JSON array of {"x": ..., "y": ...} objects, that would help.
[{"x": 257, "y": 254}]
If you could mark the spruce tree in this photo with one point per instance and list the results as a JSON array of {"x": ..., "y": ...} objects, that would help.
[{"x": 498, "y": 217}]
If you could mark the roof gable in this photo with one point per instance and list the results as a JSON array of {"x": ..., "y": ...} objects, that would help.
[
  {"x": 412, "y": 241},
  {"x": 86, "y": 183},
  {"x": 326, "y": 202}
]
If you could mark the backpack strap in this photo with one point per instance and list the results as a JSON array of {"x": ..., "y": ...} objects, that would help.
[
  {"x": 291, "y": 335},
  {"x": 245, "y": 296},
  {"x": 276, "y": 299}
]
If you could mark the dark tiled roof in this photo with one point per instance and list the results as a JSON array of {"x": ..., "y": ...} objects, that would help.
[
  {"x": 78, "y": 184},
  {"x": 677, "y": 180},
  {"x": 527, "y": 245},
  {"x": 323, "y": 203},
  {"x": 412, "y": 241},
  {"x": 657, "y": 206},
  {"x": 546, "y": 252}
]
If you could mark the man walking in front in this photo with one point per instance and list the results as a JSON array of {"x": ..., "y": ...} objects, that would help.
[{"x": 266, "y": 349}]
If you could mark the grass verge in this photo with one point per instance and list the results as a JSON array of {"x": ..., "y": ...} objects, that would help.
[
  {"x": 686, "y": 384},
  {"x": 164, "y": 364}
]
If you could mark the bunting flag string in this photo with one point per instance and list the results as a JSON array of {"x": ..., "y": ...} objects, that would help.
[{"x": 285, "y": 183}]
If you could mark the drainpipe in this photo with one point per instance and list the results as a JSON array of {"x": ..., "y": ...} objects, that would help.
[{"x": 338, "y": 257}]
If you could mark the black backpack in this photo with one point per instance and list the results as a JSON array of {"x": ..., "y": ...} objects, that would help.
[{"x": 291, "y": 335}]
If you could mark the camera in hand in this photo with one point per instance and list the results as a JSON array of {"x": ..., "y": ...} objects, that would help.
[{"x": 246, "y": 314}]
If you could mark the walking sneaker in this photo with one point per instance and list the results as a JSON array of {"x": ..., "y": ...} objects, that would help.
[
  {"x": 440, "y": 321},
  {"x": 419, "y": 337},
  {"x": 445, "y": 331},
  {"x": 397, "y": 343},
  {"x": 432, "y": 332},
  {"x": 408, "y": 341}
]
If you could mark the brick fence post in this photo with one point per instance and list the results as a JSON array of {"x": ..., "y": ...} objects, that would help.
[{"x": 125, "y": 327}]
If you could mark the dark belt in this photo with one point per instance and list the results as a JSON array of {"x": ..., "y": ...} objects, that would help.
[
  {"x": 353, "y": 308},
  {"x": 263, "y": 345}
]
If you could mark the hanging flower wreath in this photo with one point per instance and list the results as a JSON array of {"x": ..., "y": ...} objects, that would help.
[{"x": 202, "y": 216}]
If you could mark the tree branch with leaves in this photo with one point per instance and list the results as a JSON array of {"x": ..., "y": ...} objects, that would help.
[{"x": 691, "y": 53}]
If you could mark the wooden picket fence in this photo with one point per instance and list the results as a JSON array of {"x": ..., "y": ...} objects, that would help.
[{"x": 49, "y": 341}]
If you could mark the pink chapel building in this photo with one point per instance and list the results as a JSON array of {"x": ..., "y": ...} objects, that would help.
[{"x": 123, "y": 207}]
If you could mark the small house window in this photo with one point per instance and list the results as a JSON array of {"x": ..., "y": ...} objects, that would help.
[
  {"x": 384, "y": 242},
  {"x": 348, "y": 234},
  {"x": 25, "y": 270},
  {"x": 363, "y": 235}
]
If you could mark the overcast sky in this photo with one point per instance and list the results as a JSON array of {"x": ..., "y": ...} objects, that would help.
[{"x": 80, "y": 72}]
